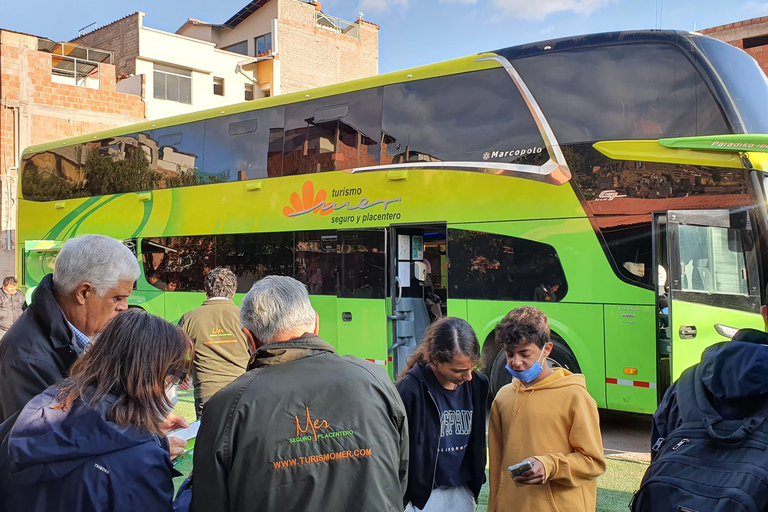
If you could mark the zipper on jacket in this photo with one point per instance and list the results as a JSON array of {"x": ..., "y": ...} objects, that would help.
[
  {"x": 681, "y": 443},
  {"x": 657, "y": 445},
  {"x": 440, "y": 419}
]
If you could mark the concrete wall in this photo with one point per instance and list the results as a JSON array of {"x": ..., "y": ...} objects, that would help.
[
  {"x": 120, "y": 37},
  {"x": 34, "y": 109},
  {"x": 205, "y": 62}
]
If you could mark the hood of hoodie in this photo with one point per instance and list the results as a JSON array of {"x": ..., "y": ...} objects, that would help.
[
  {"x": 560, "y": 378},
  {"x": 734, "y": 369},
  {"x": 46, "y": 444}
]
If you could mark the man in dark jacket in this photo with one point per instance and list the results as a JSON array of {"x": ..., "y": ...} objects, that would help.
[
  {"x": 93, "y": 278},
  {"x": 12, "y": 304},
  {"x": 303, "y": 428}
]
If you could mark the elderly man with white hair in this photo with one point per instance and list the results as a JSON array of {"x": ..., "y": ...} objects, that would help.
[
  {"x": 92, "y": 280},
  {"x": 304, "y": 428}
]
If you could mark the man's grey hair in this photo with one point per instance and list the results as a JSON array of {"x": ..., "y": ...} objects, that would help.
[
  {"x": 276, "y": 305},
  {"x": 220, "y": 282},
  {"x": 96, "y": 259}
]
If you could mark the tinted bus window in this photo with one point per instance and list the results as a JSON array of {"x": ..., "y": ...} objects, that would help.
[
  {"x": 623, "y": 195},
  {"x": 463, "y": 117},
  {"x": 334, "y": 133},
  {"x": 317, "y": 261},
  {"x": 252, "y": 256},
  {"x": 180, "y": 153},
  {"x": 241, "y": 146},
  {"x": 109, "y": 166},
  {"x": 746, "y": 83},
  {"x": 639, "y": 91},
  {"x": 362, "y": 264},
  {"x": 488, "y": 266},
  {"x": 178, "y": 263}
]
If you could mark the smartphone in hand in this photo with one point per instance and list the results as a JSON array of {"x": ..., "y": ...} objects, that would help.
[{"x": 520, "y": 468}]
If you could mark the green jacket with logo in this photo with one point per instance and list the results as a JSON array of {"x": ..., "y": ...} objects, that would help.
[
  {"x": 303, "y": 429},
  {"x": 221, "y": 352}
]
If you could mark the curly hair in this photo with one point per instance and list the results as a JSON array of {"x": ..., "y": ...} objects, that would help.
[
  {"x": 521, "y": 326},
  {"x": 220, "y": 282}
]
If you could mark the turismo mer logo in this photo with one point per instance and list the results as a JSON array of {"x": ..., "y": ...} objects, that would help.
[{"x": 355, "y": 202}]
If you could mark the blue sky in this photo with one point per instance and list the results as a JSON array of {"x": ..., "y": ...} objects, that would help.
[{"x": 413, "y": 32}]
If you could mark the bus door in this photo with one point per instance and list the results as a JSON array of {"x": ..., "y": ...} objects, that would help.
[
  {"x": 713, "y": 279},
  {"x": 361, "y": 294},
  {"x": 418, "y": 286},
  {"x": 37, "y": 261}
]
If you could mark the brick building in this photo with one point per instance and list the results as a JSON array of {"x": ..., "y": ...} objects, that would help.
[
  {"x": 50, "y": 91},
  {"x": 749, "y": 35},
  {"x": 294, "y": 44},
  {"x": 269, "y": 47}
]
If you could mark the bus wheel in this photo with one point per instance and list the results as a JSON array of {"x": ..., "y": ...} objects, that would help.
[
  {"x": 560, "y": 357},
  {"x": 488, "y": 355}
]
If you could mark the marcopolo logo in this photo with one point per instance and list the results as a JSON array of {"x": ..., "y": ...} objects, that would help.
[
  {"x": 318, "y": 203},
  {"x": 488, "y": 155}
]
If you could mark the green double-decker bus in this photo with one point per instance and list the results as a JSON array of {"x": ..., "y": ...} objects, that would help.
[{"x": 617, "y": 181}]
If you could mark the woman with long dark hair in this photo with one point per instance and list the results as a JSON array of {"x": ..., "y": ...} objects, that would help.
[
  {"x": 445, "y": 400},
  {"x": 95, "y": 441}
]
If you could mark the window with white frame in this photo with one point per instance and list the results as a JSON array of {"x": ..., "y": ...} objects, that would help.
[{"x": 172, "y": 83}]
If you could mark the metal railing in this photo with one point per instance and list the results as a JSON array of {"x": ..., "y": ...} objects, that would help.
[{"x": 337, "y": 25}]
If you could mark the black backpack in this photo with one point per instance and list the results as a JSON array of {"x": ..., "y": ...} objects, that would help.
[{"x": 707, "y": 464}]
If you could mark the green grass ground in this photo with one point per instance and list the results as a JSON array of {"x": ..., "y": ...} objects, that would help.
[{"x": 614, "y": 488}]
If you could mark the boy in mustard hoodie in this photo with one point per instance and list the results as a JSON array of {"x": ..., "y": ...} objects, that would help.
[{"x": 544, "y": 416}]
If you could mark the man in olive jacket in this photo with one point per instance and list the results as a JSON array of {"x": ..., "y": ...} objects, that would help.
[
  {"x": 303, "y": 428},
  {"x": 221, "y": 352}
]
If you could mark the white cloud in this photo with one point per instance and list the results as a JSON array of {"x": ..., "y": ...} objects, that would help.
[
  {"x": 471, "y": 2},
  {"x": 756, "y": 8},
  {"x": 381, "y": 5},
  {"x": 526, "y": 9}
]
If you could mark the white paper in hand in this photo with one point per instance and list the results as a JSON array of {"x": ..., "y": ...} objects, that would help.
[{"x": 187, "y": 433}]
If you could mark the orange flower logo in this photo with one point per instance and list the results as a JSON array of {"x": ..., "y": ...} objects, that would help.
[{"x": 307, "y": 202}]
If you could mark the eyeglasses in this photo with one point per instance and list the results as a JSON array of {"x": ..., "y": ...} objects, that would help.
[{"x": 175, "y": 380}]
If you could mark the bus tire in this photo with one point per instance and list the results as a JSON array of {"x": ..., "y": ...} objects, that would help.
[
  {"x": 488, "y": 354},
  {"x": 560, "y": 357}
]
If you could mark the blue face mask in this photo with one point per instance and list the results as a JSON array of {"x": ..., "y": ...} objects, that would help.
[{"x": 529, "y": 374}]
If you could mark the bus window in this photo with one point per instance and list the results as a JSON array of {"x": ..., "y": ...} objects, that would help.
[
  {"x": 363, "y": 262},
  {"x": 252, "y": 256},
  {"x": 317, "y": 262},
  {"x": 636, "y": 97},
  {"x": 180, "y": 151},
  {"x": 497, "y": 267},
  {"x": 432, "y": 120},
  {"x": 178, "y": 263},
  {"x": 712, "y": 260},
  {"x": 334, "y": 133},
  {"x": 241, "y": 146},
  {"x": 622, "y": 195}
]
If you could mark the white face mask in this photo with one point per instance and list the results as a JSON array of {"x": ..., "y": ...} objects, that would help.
[{"x": 172, "y": 395}]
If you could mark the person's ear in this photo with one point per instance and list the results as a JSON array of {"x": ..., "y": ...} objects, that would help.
[
  {"x": 83, "y": 292},
  {"x": 548, "y": 346},
  {"x": 764, "y": 312},
  {"x": 317, "y": 324},
  {"x": 253, "y": 343}
]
